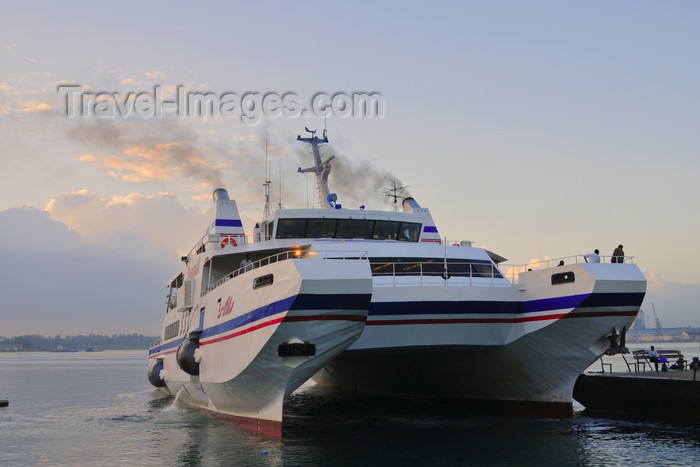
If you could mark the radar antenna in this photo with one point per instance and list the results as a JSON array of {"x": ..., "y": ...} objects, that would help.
[
  {"x": 322, "y": 168},
  {"x": 394, "y": 193}
]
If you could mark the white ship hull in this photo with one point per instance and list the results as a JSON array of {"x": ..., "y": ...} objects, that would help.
[
  {"x": 516, "y": 348},
  {"x": 241, "y": 373}
]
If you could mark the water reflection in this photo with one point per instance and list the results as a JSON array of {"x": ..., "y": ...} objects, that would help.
[{"x": 323, "y": 429}]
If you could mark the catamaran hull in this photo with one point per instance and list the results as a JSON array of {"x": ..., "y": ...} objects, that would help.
[
  {"x": 245, "y": 373},
  {"x": 519, "y": 355}
]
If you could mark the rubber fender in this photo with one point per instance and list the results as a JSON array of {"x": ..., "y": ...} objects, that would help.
[
  {"x": 185, "y": 356},
  {"x": 154, "y": 374}
]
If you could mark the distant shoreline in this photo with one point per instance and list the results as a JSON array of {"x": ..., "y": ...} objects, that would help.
[{"x": 80, "y": 343}]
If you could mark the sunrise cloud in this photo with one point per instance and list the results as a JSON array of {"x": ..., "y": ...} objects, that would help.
[
  {"x": 159, "y": 150},
  {"x": 161, "y": 218},
  {"x": 33, "y": 106}
]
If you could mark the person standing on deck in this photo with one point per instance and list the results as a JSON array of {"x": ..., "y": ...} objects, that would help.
[
  {"x": 618, "y": 255},
  {"x": 592, "y": 257},
  {"x": 247, "y": 264}
]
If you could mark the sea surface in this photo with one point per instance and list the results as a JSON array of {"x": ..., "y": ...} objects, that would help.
[{"x": 98, "y": 409}]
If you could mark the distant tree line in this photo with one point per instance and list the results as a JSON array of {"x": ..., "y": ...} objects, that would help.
[{"x": 80, "y": 342}]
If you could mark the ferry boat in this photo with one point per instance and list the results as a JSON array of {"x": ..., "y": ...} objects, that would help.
[
  {"x": 430, "y": 317},
  {"x": 248, "y": 323}
]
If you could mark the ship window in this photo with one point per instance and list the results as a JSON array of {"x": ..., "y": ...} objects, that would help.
[
  {"x": 348, "y": 228},
  {"x": 355, "y": 228},
  {"x": 483, "y": 270},
  {"x": 177, "y": 283},
  {"x": 291, "y": 228},
  {"x": 409, "y": 232},
  {"x": 321, "y": 228},
  {"x": 263, "y": 280},
  {"x": 563, "y": 277},
  {"x": 461, "y": 268},
  {"x": 386, "y": 230},
  {"x": 434, "y": 267}
]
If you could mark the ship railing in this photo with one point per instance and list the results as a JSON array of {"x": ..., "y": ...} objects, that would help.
[
  {"x": 431, "y": 273},
  {"x": 297, "y": 253},
  {"x": 513, "y": 271}
]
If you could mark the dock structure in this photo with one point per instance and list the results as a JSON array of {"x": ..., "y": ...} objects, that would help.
[{"x": 671, "y": 394}]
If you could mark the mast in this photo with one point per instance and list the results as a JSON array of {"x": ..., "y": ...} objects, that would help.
[
  {"x": 267, "y": 212},
  {"x": 322, "y": 169}
]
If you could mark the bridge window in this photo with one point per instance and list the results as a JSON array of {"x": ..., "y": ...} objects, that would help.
[
  {"x": 321, "y": 228},
  {"x": 355, "y": 228},
  {"x": 409, "y": 232},
  {"x": 386, "y": 230},
  {"x": 291, "y": 228},
  {"x": 349, "y": 229}
]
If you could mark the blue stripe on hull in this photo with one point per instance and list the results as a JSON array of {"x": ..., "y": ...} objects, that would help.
[
  {"x": 295, "y": 302},
  {"x": 502, "y": 307}
]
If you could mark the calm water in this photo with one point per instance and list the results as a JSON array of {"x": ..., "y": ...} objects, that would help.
[{"x": 98, "y": 409}]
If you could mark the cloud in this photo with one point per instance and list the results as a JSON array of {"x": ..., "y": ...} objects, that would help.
[
  {"x": 55, "y": 282},
  {"x": 161, "y": 219},
  {"x": 137, "y": 170},
  {"x": 162, "y": 149},
  {"x": 676, "y": 304},
  {"x": 4, "y": 86},
  {"x": 33, "y": 106},
  {"x": 155, "y": 74},
  {"x": 87, "y": 157},
  {"x": 32, "y": 229}
]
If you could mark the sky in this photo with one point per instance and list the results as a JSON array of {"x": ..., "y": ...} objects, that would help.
[{"x": 534, "y": 129}]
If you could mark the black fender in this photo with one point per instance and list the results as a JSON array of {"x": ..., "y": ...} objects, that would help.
[
  {"x": 154, "y": 374},
  {"x": 185, "y": 356}
]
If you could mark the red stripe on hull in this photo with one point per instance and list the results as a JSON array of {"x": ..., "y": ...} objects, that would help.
[
  {"x": 245, "y": 331},
  {"x": 289, "y": 319},
  {"x": 358, "y": 318},
  {"x": 392, "y": 322}
]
